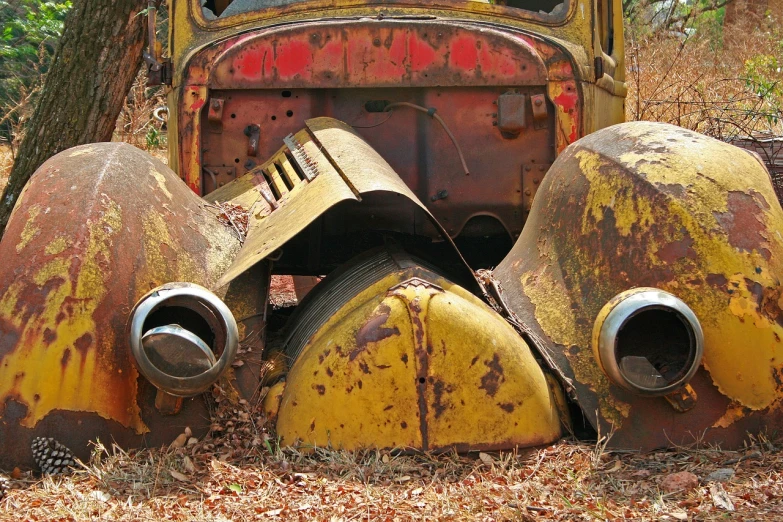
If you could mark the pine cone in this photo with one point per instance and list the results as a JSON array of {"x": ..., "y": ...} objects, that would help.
[
  {"x": 52, "y": 457},
  {"x": 5, "y": 485}
]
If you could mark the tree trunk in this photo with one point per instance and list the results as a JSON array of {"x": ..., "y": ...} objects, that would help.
[{"x": 93, "y": 69}]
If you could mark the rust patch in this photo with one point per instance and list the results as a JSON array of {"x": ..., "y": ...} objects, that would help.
[
  {"x": 324, "y": 355},
  {"x": 439, "y": 405},
  {"x": 677, "y": 250},
  {"x": 404, "y": 425},
  {"x": 49, "y": 336},
  {"x": 744, "y": 223},
  {"x": 320, "y": 388},
  {"x": 507, "y": 407},
  {"x": 387, "y": 408},
  {"x": 373, "y": 331},
  {"x": 717, "y": 280},
  {"x": 404, "y": 358},
  {"x": 491, "y": 380},
  {"x": 83, "y": 344},
  {"x": 769, "y": 304},
  {"x": 10, "y": 336},
  {"x": 329, "y": 372},
  {"x": 364, "y": 367}
]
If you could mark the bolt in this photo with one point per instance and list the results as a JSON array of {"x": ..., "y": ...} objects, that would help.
[
  {"x": 527, "y": 192},
  {"x": 535, "y": 182},
  {"x": 527, "y": 168},
  {"x": 215, "y": 104},
  {"x": 538, "y": 102},
  {"x": 376, "y": 42},
  {"x": 541, "y": 168}
]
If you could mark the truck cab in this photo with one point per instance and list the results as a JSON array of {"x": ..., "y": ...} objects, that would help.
[{"x": 513, "y": 83}]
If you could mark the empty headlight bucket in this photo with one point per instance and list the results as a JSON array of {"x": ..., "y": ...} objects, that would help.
[{"x": 648, "y": 341}]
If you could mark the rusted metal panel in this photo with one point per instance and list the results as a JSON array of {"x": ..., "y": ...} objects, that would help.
[
  {"x": 98, "y": 226},
  {"x": 348, "y": 169},
  {"x": 511, "y": 112},
  {"x": 383, "y": 59},
  {"x": 652, "y": 205},
  {"x": 371, "y": 54}
]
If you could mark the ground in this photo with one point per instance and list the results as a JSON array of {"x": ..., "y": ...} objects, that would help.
[
  {"x": 244, "y": 477},
  {"x": 238, "y": 473}
]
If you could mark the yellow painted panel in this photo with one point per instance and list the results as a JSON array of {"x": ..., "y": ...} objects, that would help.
[
  {"x": 347, "y": 389},
  {"x": 486, "y": 389}
]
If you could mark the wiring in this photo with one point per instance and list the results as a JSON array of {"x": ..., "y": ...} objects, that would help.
[{"x": 432, "y": 113}]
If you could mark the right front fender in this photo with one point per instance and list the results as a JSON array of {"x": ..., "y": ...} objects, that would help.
[{"x": 652, "y": 205}]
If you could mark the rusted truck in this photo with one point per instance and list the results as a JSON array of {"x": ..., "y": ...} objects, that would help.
[{"x": 506, "y": 262}]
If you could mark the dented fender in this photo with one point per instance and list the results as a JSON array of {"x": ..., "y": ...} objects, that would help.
[
  {"x": 652, "y": 205},
  {"x": 97, "y": 227}
]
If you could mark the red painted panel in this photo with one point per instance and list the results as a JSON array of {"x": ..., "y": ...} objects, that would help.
[{"x": 370, "y": 54}]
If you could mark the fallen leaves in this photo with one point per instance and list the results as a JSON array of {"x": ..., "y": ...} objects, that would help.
[{"x": 224, "y": 477}]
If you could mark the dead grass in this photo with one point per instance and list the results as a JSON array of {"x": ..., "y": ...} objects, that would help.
[
  {"x": 723, "y": 88},
  {"x": 566, "y": 481},
  {"x": 238, "y": 473},
  {"x": 6, "y": 161}
]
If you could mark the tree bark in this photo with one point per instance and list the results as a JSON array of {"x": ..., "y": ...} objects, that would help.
[{"x": 93, "y": 69}]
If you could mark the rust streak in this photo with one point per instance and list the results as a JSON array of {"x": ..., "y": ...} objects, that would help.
[{"x": 491, "y": 381}]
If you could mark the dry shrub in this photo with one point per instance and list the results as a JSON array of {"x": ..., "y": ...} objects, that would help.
[
  {"x": 135, "y": 124},
  {"x": 723, "y": 82},
  {"x": 6, "y": 161}
]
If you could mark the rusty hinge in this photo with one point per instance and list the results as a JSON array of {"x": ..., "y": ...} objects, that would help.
[
  {"x": 158, "y": 73},
  {"x": 215, "y": 115},
  {"x": 540, "y": 112}
]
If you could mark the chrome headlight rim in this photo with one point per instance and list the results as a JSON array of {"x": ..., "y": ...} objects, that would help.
[
  {"x": 214, "y": 312},
  {"x": 619, "y": 311}
]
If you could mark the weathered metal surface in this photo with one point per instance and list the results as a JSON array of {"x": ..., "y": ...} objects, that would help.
[
  {"x": 348, "y": 168},
  {"x": 466, "y": 69},
  {"x": 644, "y": 204},
  {"x": 413, "y": 361},
  {"x": 380, "y": 54},
  {"x": 238, "y": 15},
  {"x": 97, "y": 227},
  {"x": 511, "y": 113}
]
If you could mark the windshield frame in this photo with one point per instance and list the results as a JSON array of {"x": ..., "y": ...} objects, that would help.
[{"x": 390, "y": 8}]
